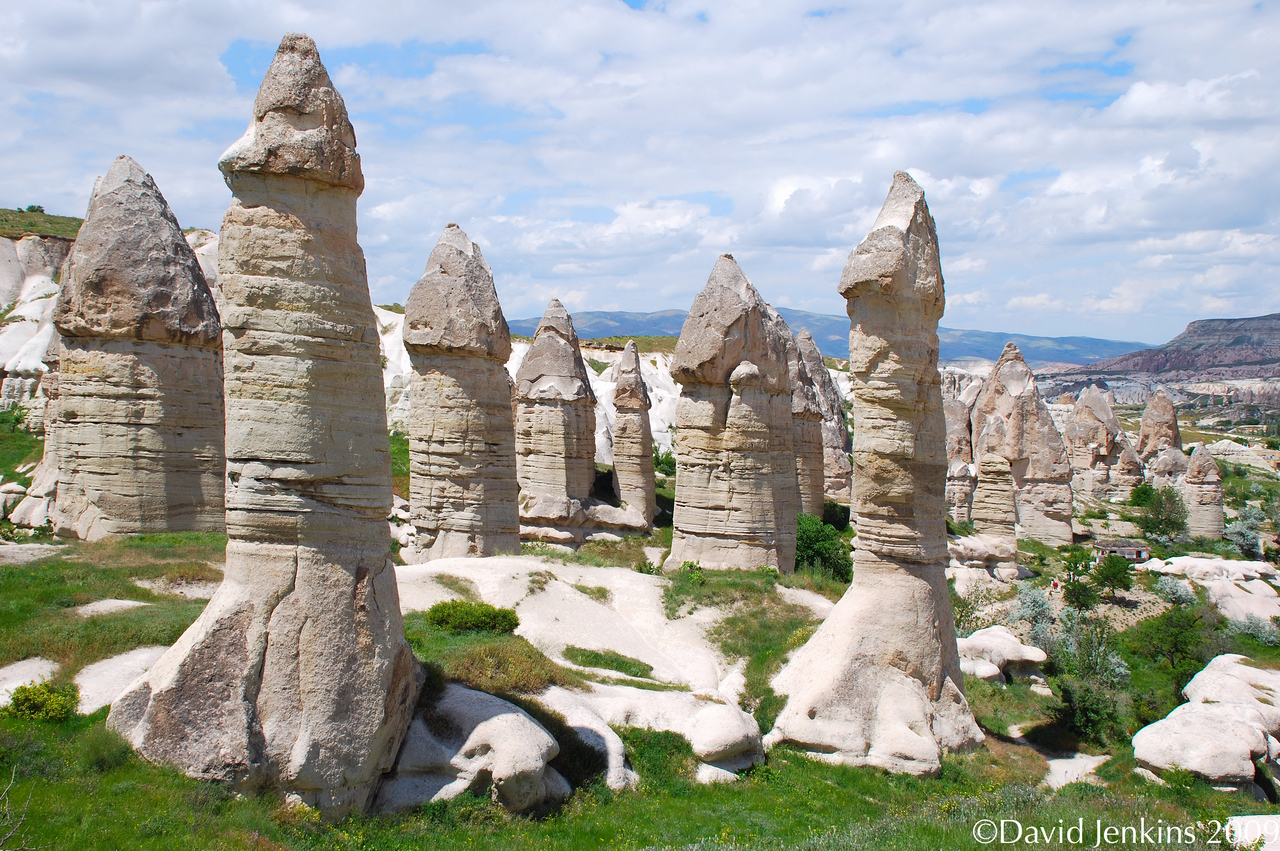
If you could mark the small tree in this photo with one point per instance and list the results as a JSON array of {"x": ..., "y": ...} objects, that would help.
[
  {"x": 1114, "y": 573},
  {"x": 1076, "y": 562},
  {"x": 1080, "y": 594},
  {"x": 1142, "y": 495},
  {"x": 1165, "y": 517}
]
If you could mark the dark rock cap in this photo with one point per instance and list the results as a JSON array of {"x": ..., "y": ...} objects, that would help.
[
  {"x": 552, "y": 369},
  {"x": 300, "y": 125},
  {"x": 131, "y": 274},
  {"x": 454, "y": 306}
]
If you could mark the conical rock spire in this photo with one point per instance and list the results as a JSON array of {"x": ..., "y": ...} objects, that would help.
[{"x": 454, "y": 306}]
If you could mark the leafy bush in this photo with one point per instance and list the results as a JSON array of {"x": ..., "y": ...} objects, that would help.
[
  {"x": 1262, "y": 631},
  {"x": 1086, "y": 650},
  {"x": 1088, "y": 710},
  {"x": 649, "y": 568},
  {"x": 1176, "y": 591},
  {"x": 1142, "y": 495},
  {"x": 1080, "y": 594},
  {"x": 691, "y": 573},
  {"x": 43, "y": 702},
  {"x": 1114, "y": 573},
  {"x": 960, "y": 528},
  {"x": 1180, "y": 640},
  {"x": 1252, "y": 517},
  {"x": 1165, "y": 517},
  {"x": 1245, "y": 539},
  {"x": 102, "y": 749},
  {"x": 466, "y": 616},
  {"x": 1033, "y": 605},
  {"x": 664, "y": 461},
  {"x": 820, "y": 547},
  {"x": 835, "y": 515}
]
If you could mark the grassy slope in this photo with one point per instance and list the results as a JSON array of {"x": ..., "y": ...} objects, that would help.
[
  {"x": 13, "y": 224},
  {"x": 17, "y": 447}
]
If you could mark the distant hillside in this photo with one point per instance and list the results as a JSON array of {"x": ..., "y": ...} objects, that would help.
[
  {"x": 1206, "y": 344},
  {"x": 15, "y": 223},
  {"x": 831, "y": 333}
]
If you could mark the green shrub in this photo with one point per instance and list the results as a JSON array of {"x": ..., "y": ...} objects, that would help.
[
  {"x": 1080, "y": 594},
  {"x": 466, "y": 616},
  {"x": 43, "y": 702},
  {"x": 835, "y": 515},
  {"x": 664, "y": 461},
  {"x": 1114, "y": 573},
  {"x": 960, "y": 528},
  {"x": 1142, "y": 495},
  {"x": 102, "y": 749},
  {"x": 649, "y": 568},
  {"x": 1088, "y": 710},
  {"x": 1165, "y": 517},
  {"x": 820, "y": 547}
]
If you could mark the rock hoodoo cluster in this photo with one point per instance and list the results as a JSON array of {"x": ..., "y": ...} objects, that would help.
[
  {"x": 1103, "y": 462},
  {"x": 736, "y": 495},
  {"x": 632, "y": 436},
  {"x": 462, "y": 458},
  {"x": 836, "y": 443},
  {"x": 1159, "y": 429},
  {"x": 297, "y": 674},
  {"x": 139, "y": 429},
  {"x": 879, "y": 683},
  {"x": 959, "y": 392},
  {"x": 1011, "y": 420}
]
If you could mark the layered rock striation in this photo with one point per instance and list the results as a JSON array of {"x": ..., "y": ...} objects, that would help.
[
  {"x": 736, "y": 497},
  {"x": 880, "y": 683},
  {"x": 1202, "y": 492},
  {"x": 1159, "y": 429},
  {"x": 632, "y": 436},
  {"x": 959, "y": 392},
  {"x": 462, "y": 458},
  {"x": 1010, "y": 419},
  {"x": 806, "y": 419},
  {"x": 836, "y": 442},
  {"x": 297, "y": 675},
  {"x": 139, "y": 421}
]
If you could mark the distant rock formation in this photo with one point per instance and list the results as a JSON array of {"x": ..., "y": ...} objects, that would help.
[
  {"x": 959, "y": 392},
  {"x": 736, "y": 498},
  {"x": 139, "y": 418},
  {"x": 1204, "y": 344},
  {"x": 297, "y": 674},
  {"x": 806, "y": 418},
  {"x": 555, "y": 425},
  {"x": 632, "y": 438},
  {"x": 1010, "y": 419},
  {"x": 1103, "y": 462},
  {"x": 30, "y": 271},
  {"x": 1202, "y": 491},
  {"x": 1159, "y": 426},
  {"x": 462, "y": 457},
  {"x": 836, "y": 443},
  {"x": 879, "y": 683}
]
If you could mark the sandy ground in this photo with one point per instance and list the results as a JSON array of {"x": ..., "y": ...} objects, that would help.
[
  {"x": 23, "y": 673},
  {"x": 1063, "y": 768},
  {"x": 106, "y": 607},
  {"x": 102, "y": 682},
  {"x": 14, "y": 554}
]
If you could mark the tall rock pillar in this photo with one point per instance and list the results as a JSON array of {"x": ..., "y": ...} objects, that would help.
[
  {"x": 140, "y": 432},
  {"x": 879, "y": 683},
  {"x": 297, "y": 674},
  {"x": 736, "y": 497},
  {"x": 462, "y": 457},
  {"x": 1202, "y": 490},
  {"x": 632, "y": 436},
  {"x": 1159, "y": 429},
  {"x": 836, "y": 443},
  {"x": 555, "y": 425},
  {"x": 806, "y": 419}
]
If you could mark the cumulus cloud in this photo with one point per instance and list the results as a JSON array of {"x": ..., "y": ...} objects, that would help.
[{"x": 1081, "y": 162}]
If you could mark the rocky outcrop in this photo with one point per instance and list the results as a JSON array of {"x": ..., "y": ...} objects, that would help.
[
  {"x": 995, "y": 507},
  {"x": 1159, "y": 426},
  {"x": 555, "y": 425},
  {"x": 995, "y": 654},
  {"x": 30, "y": 271},
  {"x": 1206, "y": 343},
  {"x": 836, "y": 443},
  {"x": 736, "y": 497},
  {"x": 1103, "y": 462},
  {"x": 139, "y": 418},
  {"x": 879, "y": 683},
  {"x": 1010, "y": 419},
  {"x": 1202, "y": 491},
  {"x": 632, "y": 438},
  {"x": 806, "y": 419},
  {"x": 462, "y": 458},
  {"x": 1229, "y": 722},
  {"x": 1166, "y": 468},
  {"x": 297, "y": 674},
  {"x": 959, "y": 392}
]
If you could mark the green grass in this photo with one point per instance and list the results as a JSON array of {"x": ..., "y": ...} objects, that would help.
[
  {"x": 17, "y": 447},
  {"x": 36, "y": 599},
  {"x": 643, "y": 343},
  {"x": 610, "y": 661},
  {"x": 596, "y": 592},
  {"x": 393, "y": 308},
  {"x": 628, "y": 552},
  {"x": 598, "y": 365},
  {"x": 400, "y": 464},
  {"x": 491, "y": 662},
  {"x": 13, "y": 224}
]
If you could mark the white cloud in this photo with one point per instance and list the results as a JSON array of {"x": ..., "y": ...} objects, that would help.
[{"x": 1081, "y": 163}]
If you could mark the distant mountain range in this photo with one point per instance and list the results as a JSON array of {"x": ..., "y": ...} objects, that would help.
[
  {"x": 1208, "y": 344},
  {"x": 831, "y": 333}
]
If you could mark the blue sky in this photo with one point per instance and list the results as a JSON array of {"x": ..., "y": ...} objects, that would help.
[{"x": 1103, "y": 169}]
